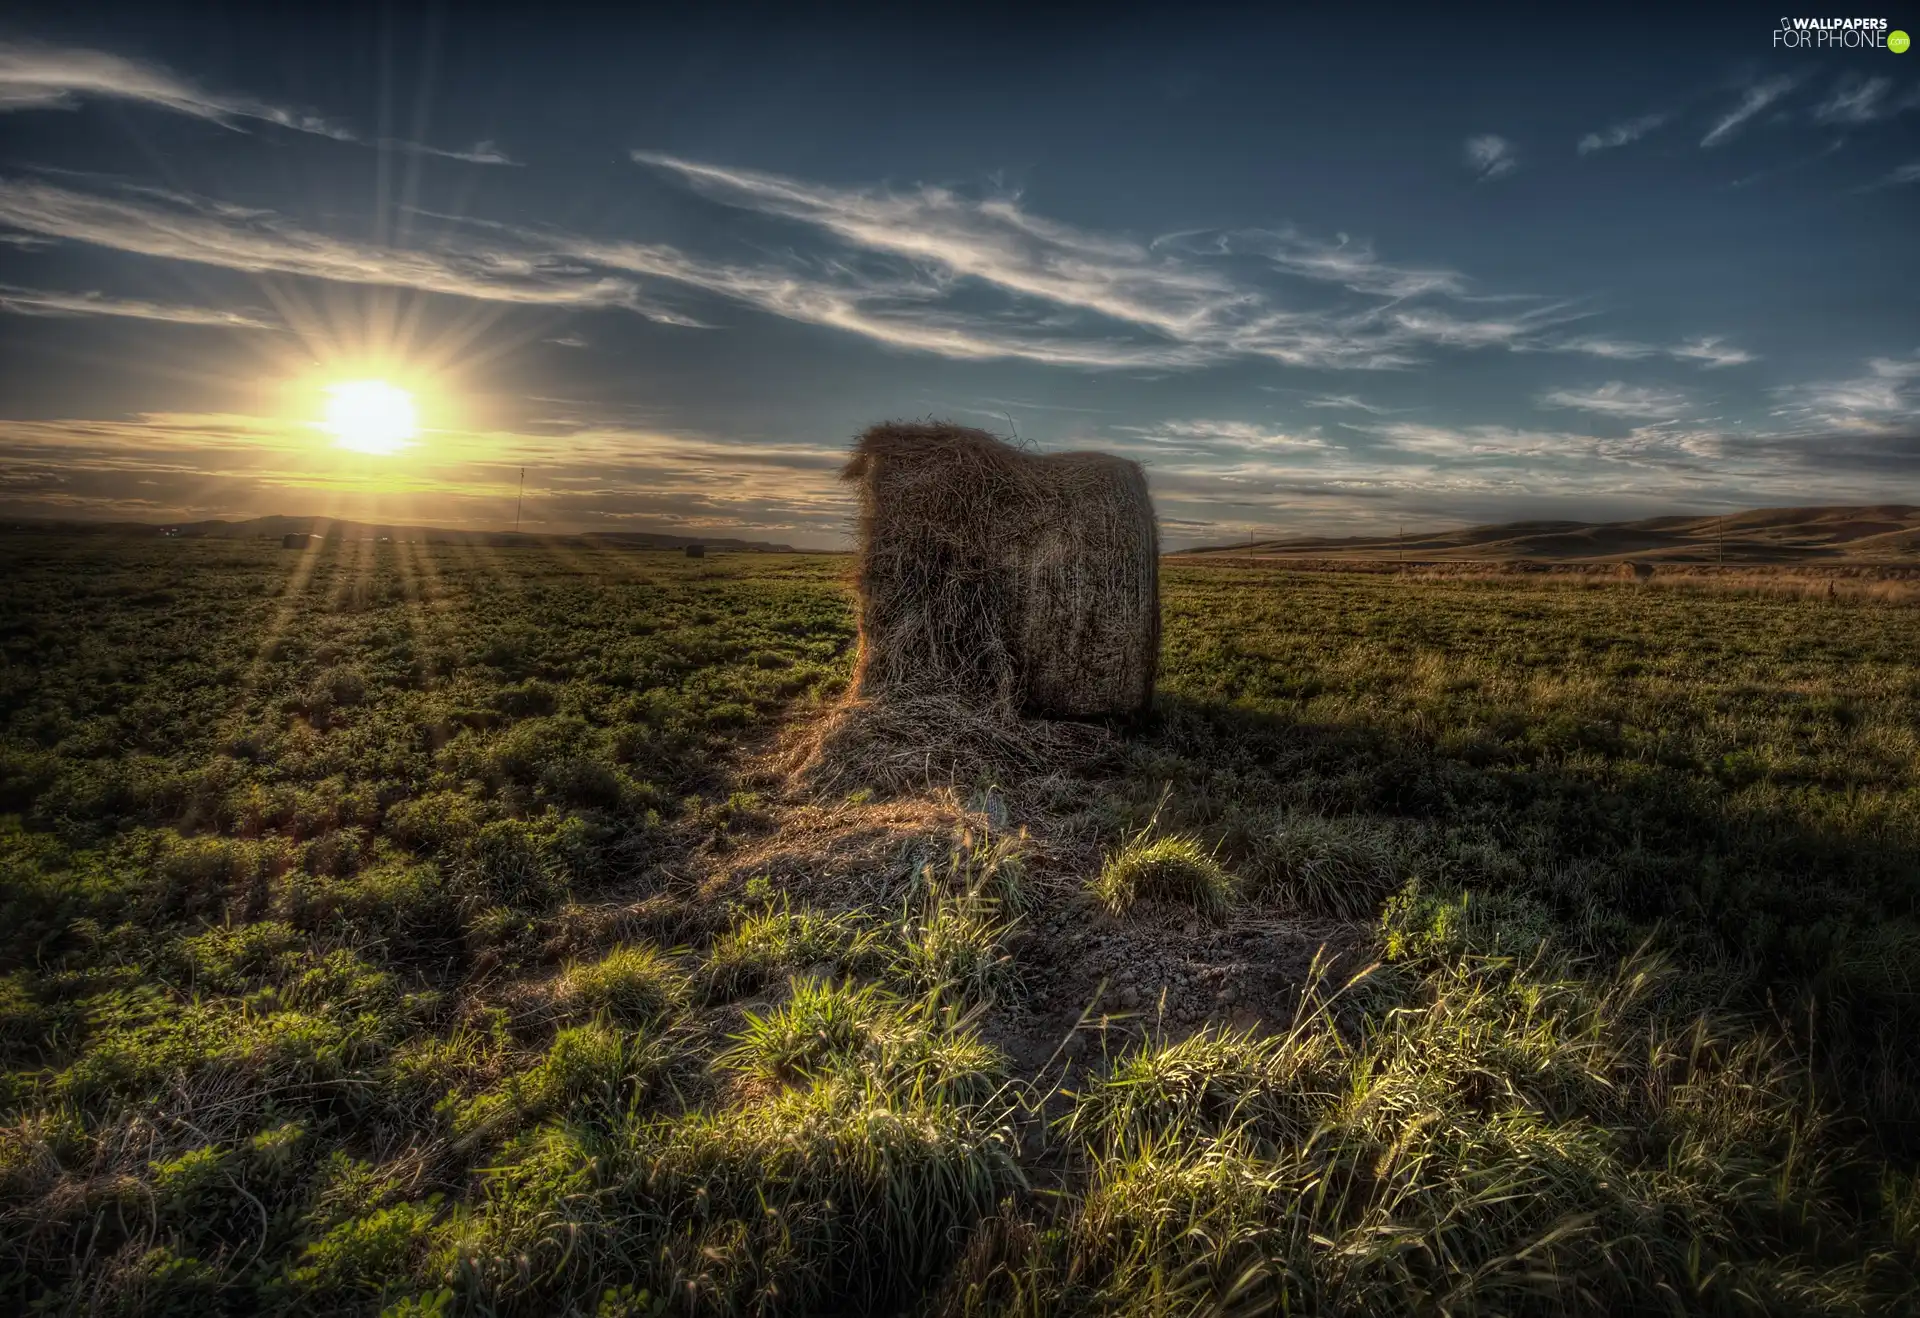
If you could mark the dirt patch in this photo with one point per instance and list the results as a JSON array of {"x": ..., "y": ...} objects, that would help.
[{"x": 1165, "y": 973}]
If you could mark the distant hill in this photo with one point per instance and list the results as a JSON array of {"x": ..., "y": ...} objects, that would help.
[
  {"x": 274, "y": 528},
  {"x": 1879, "y": 534}
]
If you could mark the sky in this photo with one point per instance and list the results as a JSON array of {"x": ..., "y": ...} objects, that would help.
[{"x": 1319, "y": 275}]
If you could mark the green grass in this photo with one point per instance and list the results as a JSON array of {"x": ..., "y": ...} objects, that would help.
[
  {"x": 634, "y": 985},
  {"x": 359, "y": 953},
  {"x": 1176, "y": 871}
]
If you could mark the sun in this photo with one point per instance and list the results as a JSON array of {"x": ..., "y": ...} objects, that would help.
[{"x": 371, "y": 416}]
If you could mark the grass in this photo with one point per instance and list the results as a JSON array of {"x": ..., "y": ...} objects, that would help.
[
  {"x": 634, "y": 985},
  {"x": 1177, "y": 870},
  {"x": 368, "y": 944}
]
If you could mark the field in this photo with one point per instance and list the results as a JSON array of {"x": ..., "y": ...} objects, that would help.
[
  {"x": 410, "y": 929},
  {"x": 1885, "y": 539}
]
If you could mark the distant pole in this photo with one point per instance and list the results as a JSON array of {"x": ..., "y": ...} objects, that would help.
[
  {"x": 1400, "y": 536},
  {"x": 1720, "y": 537},
  {"x": 518, "y": 499}
]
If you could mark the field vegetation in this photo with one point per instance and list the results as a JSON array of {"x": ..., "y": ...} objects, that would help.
[{"x": 407, "y": 929}]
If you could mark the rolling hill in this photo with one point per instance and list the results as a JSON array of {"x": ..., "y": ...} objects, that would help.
[{"x": 1878, "y": 534}]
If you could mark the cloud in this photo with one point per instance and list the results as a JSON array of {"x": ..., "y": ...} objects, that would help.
[
  {"x": 1346, "y": 261},
  {"x": 1855, "y": 100},
  {"x": 1884, "y": 400},
  {"x": 172, "y": 466},
  {"x": 37, "y": 77},
  {"x": 151, "y": 222},
  {"x": 1707, "y": 352},
  {"x": 1618, "y": 399},
  {"x": 1347, "y": 401},
  {"x": 1755, "y": 99},
  {"x": 570, "y": 341},
  {"x": 31, "y": 302},
  {"x": 34, "y": 77},
  {"x": 483, "y": 152},
  {"x": 1183, "y": 300},
  {"x": 1620, "y": 134},
  {"x": 1900, "y": 176},
  {"x": 925, "y": 270},
  {"x": 1207, "y": 436},
  {"x": 1711, "y": 352},
  {"x": 1490, "y": 156}
]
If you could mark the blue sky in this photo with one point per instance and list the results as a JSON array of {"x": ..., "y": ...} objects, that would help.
[{"x": 1319, "y": 275}]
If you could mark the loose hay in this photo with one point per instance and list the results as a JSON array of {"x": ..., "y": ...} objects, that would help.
[
  {"x": 992, "y": 584},
  {"x": 922, "y": 743}
]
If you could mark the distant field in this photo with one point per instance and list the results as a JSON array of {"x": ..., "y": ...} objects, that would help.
[
  {"x": 1867, "y": 536},
  {"x": 429, "y": 929}
]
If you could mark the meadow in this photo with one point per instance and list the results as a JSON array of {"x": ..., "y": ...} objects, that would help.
[{"x": 436, "y": 929}]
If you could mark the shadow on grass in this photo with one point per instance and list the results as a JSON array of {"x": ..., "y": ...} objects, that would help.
[{"x": 1804, "y": 908}]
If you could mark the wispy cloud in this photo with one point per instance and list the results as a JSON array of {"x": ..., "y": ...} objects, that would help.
[
  {"x": 1708, "y": 352},
  {"x": 167, "y": 225},
  {"x": 1897, "y": 177},
  {"x": 35, "y": 302},
  {"x": 1490, "y": 156},
  {"x": 483, "y": 152},
  {"x": 1620, "y": 134},
  {"x": 1348, "y": 402},
  {"x": 1184, "y": 299},
  {"x": 1856, "y": 100},
  {"x": 1214, "y": 437},
  {"x": 1885, "y": 398},
  {"x": 1752, "y": 101},
  {"x": 1619, "y": 399},
  {"x": 1711, "y": 352},
  {"x": 926, "y": 269},
  {"x": 36, "y": 77},
  {"x": 1344, "y": 260}
]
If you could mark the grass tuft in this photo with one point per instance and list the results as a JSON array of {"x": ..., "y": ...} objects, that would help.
[
  {"x": 1175, "y": 870},
  {"x": 635, "y": 985}
]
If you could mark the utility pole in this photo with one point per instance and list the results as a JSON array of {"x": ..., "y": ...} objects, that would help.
[
  {"x": 518, "y": 499},
  {"x": 1720, "y": 535}
]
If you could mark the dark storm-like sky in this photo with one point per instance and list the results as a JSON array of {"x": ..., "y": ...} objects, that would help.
[{"x": 1319, "y": 274}]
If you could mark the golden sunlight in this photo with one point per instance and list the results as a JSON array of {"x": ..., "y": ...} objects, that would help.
[{"x": 371, "y": 416}]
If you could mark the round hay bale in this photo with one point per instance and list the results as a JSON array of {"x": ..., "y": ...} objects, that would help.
[
  {"x": 1632, "y": 571},
  {"x": 1000, "y": 580}
]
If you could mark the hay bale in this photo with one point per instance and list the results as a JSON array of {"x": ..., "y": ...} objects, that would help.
[
  {"x": 991, "y": 584},
  {"x": 1003, "y": 581},
  {"x": 295, "y": 540},
  {"x": 696, "y": 551},
  {"x": 1632, "y": 571}
]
